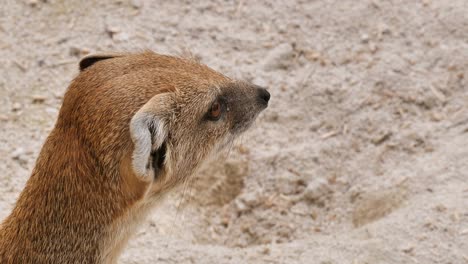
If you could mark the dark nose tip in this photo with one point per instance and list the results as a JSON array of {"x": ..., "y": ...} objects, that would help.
[{"x": 264, "y": 95}]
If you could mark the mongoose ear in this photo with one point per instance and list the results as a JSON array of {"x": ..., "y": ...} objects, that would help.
[
  {"x": 93, "y": 58},
  {"x": 149, "y": 131}
]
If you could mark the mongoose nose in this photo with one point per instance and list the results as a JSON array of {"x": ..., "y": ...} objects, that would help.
[{"x": 264, "y": 95}]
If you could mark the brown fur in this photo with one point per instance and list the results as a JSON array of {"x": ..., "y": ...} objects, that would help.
[{"x": 85, "y": 197}]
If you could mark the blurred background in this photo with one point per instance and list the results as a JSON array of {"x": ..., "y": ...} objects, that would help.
[{"x": 361, "y": 156}]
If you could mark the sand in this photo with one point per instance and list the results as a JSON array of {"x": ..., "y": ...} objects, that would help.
[{"x": 361, "y": 157}]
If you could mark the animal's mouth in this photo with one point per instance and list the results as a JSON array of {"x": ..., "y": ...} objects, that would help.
[{"x": 242, "y": 126}]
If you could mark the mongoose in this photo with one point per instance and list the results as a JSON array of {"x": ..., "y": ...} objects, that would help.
[{"x": 131, "y": 127}]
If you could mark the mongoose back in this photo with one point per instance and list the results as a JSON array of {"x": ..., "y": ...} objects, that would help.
[{"x": 131, "y": 127}]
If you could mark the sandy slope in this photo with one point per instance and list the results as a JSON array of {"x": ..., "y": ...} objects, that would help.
[{"x": 362, "y": 156}]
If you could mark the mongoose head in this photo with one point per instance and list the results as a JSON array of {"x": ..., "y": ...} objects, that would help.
[
  {"x": 152, "y": 118},
  {"x": 131, "y": 127}
]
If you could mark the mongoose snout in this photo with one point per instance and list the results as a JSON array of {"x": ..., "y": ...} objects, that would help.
[{"x": 264, "y": 96}]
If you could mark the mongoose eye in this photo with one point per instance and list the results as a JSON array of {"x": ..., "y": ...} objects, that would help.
[{"x": 215, "y": 111}]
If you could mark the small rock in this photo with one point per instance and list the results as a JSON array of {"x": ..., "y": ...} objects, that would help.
[
  {"x": 16, "y": 107},
  {"x": 137, "y": 4},
  {"x": 241, "y": 206},
  {"x": 247, "y": 201},
  {"x": 121, "y": 36},
  {"x": 279, "y": 57},
  {"x": 33, "y": 3},
  {"x": 17, "y": 153},
  {"x": 38, "y": 99},
  {"x": 316, "y": 190},
  {"x": 282, "y": 28},
  {"x": 408, "y": 249},
  {"x": 455, "y": 217},
  {"x": 300, "y": 209},
  {"x": 381, "y": 138},
  {"x": 78, "y": 52},
  {"x": 384, "y": 29},
  {"x": 250, "y": 199},
  {"x": 265, "y": 251},
  {"x": 374, "y": 205},
  {"x": 112, "y": 30},
  {"x": 289, "y": 184},
  {"x": 116, "y": 33},
  {"x": 364, "y": 38}
]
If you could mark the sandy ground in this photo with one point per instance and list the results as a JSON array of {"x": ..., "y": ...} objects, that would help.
[{"x": 361, "y": 157}]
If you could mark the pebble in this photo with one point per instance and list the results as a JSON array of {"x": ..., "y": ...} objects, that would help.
[
  {"x": 240, "y": 206},
  {"x": 121, "y": 36},
  {"x": 408, "y": 249},
  {"x": 364, "y": 38},
  {"x": 116, "y": 33},
  {"x": 280, "y": 57},
  {"x": 17, "y": 153},
  {"x": 288, "y": 184},
  {"x": 247, "y": 201},
  {"x": 33, "y": 3},
  {"x": 112, "y": 30},
  {"x": 250, "y": 199},
  {"x": 137, "y": 4},
  {"x": 78, "y": 52},
  {"x": 300, "y": 209},
  {"x": 384, "y": 29},
  {"x": 265, "y": 251},
  {"x": 16, "y": 107},
  {"x": 38, "y": 99},
  {"x": 316, "y": 189}
]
